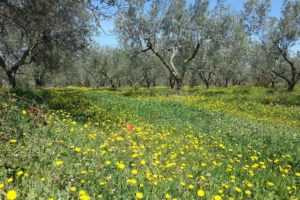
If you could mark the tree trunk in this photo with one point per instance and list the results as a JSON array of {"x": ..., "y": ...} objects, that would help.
[
  {"x": 226, "y": 82},
  {"x": 171, "y": 81},
  {"x": 206, "y": 84},
  {"x": 272, "y": 84},
  {"x": 291, "y": 86},
  {"x": 12, "y": 78},
  {"x": 179, "y": 83}
]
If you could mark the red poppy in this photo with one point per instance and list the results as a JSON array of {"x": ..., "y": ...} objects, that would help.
[{"x": 130, "y": 127}]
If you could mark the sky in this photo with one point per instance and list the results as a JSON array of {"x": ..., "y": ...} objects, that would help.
[{"x": 109, "y": 39}]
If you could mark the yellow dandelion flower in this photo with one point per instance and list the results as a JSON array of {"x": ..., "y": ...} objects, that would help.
[
  {"x": 43, "y": 179},
  {"x": 139, "y": 195},
  {"x": 168, "y": 196},
  {"x": 248, "y": 192},
  {"x": 13, "y": 141},
  {"x": 9, "y": 180},
  {"x": 20, "y": 173},
  {"x": 58, "y": 163},
  {"x": 73, "y": 188},
  {"x": 1, "y": 185},
  {"x": 143, "y": 162},
  {"x": 297, "y": 174},
  {"x": 107, "y": 162},
  {"x": 200, "y": 193},
  {"x": 131, "y": 181},
  {"x": 103, "y": 183},
  {"x": 270, "y": 184},
  {"x": 11, "y": 195},
  {"x": 24, "y": 112},
  {"x": 191, "y": 187},
  {"x": 237, "y": 189},
  {"x": 217, "y": 197},
  {"x": 121, "y": 166},
  {"x": 134, "y": 171}
]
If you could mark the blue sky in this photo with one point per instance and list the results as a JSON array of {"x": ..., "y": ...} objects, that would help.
[{"x": 109, "y": 39}]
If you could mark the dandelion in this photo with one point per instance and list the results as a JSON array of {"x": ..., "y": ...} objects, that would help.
[
  {"x": 248, "y": 192},
  {"x": 200, "y": 193},
  {"x": 20, "y": 173},
  {"x": 73, "y": 188},
  {"x": 131, "y": 181},
  {"x": 237, "y": 189},
  {"x": 1, "y": 185},
  {"x": 217, "y": 197},
  {"x": 168, "y": 196},
  {"x": 13, "y": 141},
  {"x": 191, "y": 187},
  {"x": 9, "y": 180},
  {"x": 24, "y": 112},
  {"x": 43, "y": 179},
  {"x": 139, "y": 195},
  {"x": 134, "y": 171},
  {"x": 11, "y": 195},
  {"x": 297, "y": 174},
  {"x": 121, "y": 166},
  {"x": 143, "y": 162},
  {"x": 107, "y": 162},
  {"x": 103, "y": 183},
  {"x": 58, "y": 163},
  {"x": 270, "y": 184}
]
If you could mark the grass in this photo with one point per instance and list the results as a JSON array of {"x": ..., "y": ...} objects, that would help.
[{"x": 81, "y": 143}]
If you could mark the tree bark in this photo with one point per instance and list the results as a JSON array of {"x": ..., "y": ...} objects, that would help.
[{"x": 11, "y": 75}]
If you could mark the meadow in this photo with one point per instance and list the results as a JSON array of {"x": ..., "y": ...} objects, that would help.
[{"x": 82, "y": 143}]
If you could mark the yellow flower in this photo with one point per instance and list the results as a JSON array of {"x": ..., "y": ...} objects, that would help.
[
  {"x": 139, "y": 195},
  {"x": 13, "y": 141},
  {"x": 58, "y": 163},
  {"x": 1, "y": 185},
  {"x": 191, "y": 186},
  {"x": 107, "y": 162},
  {"x": 20, "y": 173},
  {"x": 131, "y": 181},
  {"x": 43, "y": 179},
  {"x": 248, "y": 192},
  {"x": 51, "y": 198},
  {"x": 24, "y": 112},
  {"x": 168, "y": 196},
  {"x": 270, "y": 184},
  {"x": 121, "y": 166},
  {"x": 103, "y": 183},
  {"x": 73, "y": 188},
  {"x": 249, "y": 185},
  {"x": 217, "y": 197},
  {"x": 297, "y": 174},
  {"x": 143, "y": 162},
  {"x": 9, "y": 180},
  {"x": 237, "y": 189},
  {"x": 83, "y": 195},
  {"x": 11, "y": 195},
  {"x": 200, "y": 193},
  {"x": 134, "y": 171}
]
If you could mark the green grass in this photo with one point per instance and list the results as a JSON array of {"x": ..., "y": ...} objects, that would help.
[{"x": 232, "y": 142}]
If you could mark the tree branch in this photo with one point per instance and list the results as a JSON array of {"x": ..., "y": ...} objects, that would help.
[
  {"x": 281, "y": 76},
  {"x": 194, "y": 53}
]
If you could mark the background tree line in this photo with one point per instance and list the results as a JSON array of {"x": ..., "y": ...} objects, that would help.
[{"x": 170, "y": 42}]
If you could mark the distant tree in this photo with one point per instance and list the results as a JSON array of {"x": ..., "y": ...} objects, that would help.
[
  {"x": 30, "y": 29},
  {"x": 168, "y": 29},
  {"x": 278, "y": 36}
]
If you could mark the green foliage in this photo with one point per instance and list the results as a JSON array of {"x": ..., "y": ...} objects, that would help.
[{"x": 89, "y": 142}]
